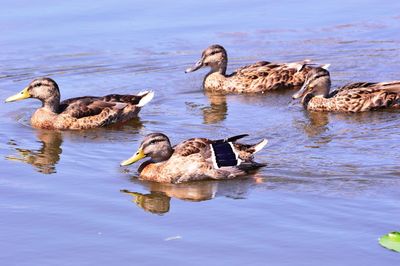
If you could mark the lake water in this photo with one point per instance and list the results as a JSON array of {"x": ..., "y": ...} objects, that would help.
[{"x": 329, "y": 191}]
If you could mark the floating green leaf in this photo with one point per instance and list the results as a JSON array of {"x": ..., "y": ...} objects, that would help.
[{"x": 391, "y": 241}]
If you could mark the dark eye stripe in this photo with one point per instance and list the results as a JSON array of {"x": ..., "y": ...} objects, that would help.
[
  {"x": 214, "y": 52},
  {"x": 154, "y": 141},
  {"x": 320, "y": 76}
]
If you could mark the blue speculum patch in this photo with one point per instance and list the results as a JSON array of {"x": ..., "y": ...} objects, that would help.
[{"x": 224, "y": 154}]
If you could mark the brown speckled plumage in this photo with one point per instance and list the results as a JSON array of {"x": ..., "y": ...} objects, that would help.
[
  {"x": 191, "y": 160},
  {"x": 81, "y": 112},
  {"x": 353, "y": 97},
  {"x": 260, "y": 77}
]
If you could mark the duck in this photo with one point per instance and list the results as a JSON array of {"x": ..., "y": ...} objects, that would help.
[
  {"x": 353, "y": 97},
  {"x": 194, "y": 159},
  {"x": 82, "y": 112},
  {"x": 260, "y": 77}
]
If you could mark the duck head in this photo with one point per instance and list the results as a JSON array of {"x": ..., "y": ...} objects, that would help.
[
  {"x": 215, "y": 57},
  {"x": 317, "y": 83},
  {"x": 44, "y": 89},
  {"x": 155, "y": 145}
]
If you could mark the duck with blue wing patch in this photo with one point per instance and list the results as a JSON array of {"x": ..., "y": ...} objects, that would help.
[{"x": 194, "y": 159}]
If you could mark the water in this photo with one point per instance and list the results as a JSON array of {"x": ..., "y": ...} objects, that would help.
[{"x": 331, "y": 185}]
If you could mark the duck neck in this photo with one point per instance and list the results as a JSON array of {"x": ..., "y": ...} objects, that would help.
[
  {"x": 323, "y": 88},
  {"x": 222, "y": 68},
  {"x": 52, "y": 104},
  {"x": 223, "y": 65},
  {"x": 162, "y": 155},
  {"x": 219, "y": 67},
  {"x": 306, "y": 99}
]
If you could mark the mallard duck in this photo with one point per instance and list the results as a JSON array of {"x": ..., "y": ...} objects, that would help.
[
  {"x": 256, "y": 78},
  {"x": 194, "y": 159},
  {"x": 353, "y": 97},
  {"x": 82, "y": 112}
]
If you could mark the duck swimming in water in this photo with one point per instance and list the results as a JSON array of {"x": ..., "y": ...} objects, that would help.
[
  {"x": 353, "y": 97},
  {"x": 260, "y": 77},
  {"x": 194, "y": 159},
  {"x": 82, "y": 112}
]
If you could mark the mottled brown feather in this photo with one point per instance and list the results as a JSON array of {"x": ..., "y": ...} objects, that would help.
[
  {"x": 192, "y": 160},
  {"x": 80, "y": 112},
  {"x": 359, "y": 97},
  {"x": 259, "y": 77}
]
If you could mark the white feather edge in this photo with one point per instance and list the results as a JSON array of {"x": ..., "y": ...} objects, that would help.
[
  {"x": 148, "y": 96},
  {"x": 326, "y": 66},
  {"x": 213, "y": 159},
  {"x": 239, "y": 161},
  {"x": 299, "y": 65},
  {"x": 260, "y": 145}
]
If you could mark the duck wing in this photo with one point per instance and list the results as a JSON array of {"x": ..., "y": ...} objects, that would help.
[
  {"x": 392, "y": 86},
  {"x": 92, "y": 105},
  {"x": 193, "y": 146},
  {"x": 89, "y": 106},
  {"x": 219, "y": 153},
  {"x": 356, "y": 97},
  {"x": 90, "y": 112},
  {"x": 367, "y": 87},
  {"x": 202, "y": 145},
  {"x": 354, "y": 86},
  {"x": 253, "y": 71},
  {"x": 121, "y": 98},
  {"x": 266, "y": 76},
  {"x": 200, "y": 158}
]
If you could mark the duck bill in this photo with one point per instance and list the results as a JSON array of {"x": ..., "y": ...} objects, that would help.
[
  {"x": 302, "y": 91},
  {"x": 138, "y": 156},
  {"x": 197, "y": 66},
  {"x": 24, "y": 94}
]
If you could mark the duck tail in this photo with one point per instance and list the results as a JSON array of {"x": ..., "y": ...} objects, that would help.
[
  {"x": 325, "y": 66},
  {"x": 259, "y": 146},
  {"x": 147, "y": 96},
  {"x": 299, "y": 65}
]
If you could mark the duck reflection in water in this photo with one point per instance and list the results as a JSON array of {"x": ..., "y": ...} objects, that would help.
[
  {"x": 218, "y": 109},
  {"x": 43, "y": 159},
  {"x": 158, "y": 199},
  {"x": 154, "y": 202},
  {"x": 318, "y": 123}
]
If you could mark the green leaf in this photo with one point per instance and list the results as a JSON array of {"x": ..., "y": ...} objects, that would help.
[{"x": 391, "y": 241}]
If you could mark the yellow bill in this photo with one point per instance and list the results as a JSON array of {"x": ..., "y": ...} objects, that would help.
[
  {"x": 24, "y": 94},
  {"x": 138, "y": 156}
]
